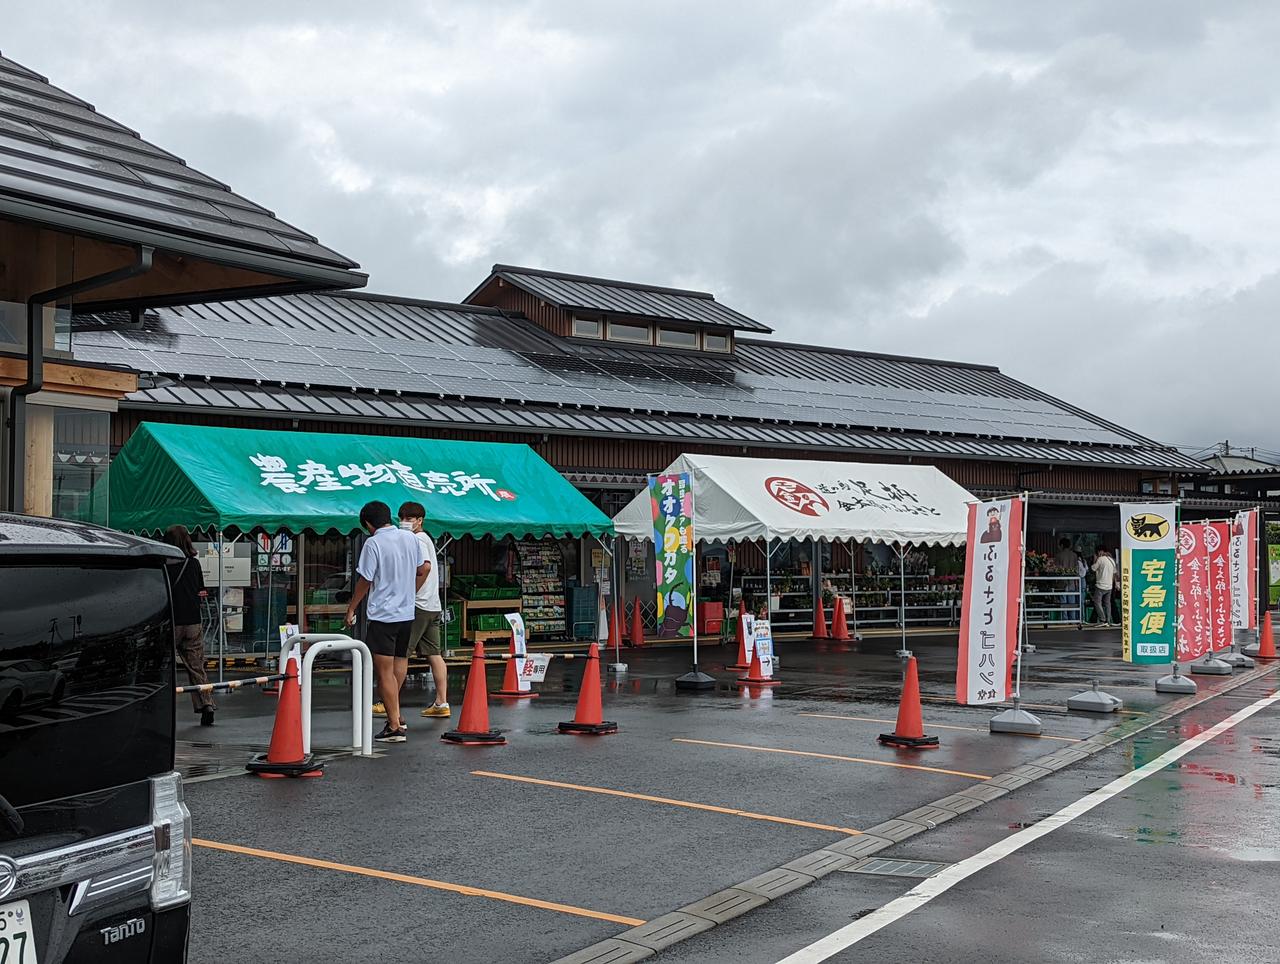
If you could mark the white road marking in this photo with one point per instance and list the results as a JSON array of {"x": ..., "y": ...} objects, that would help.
[{"x": 927, "y": 890}]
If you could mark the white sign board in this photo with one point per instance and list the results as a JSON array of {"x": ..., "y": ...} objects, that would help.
[
  {"x": 764, "y": 646},
  {"x": 534, "y": 668}
]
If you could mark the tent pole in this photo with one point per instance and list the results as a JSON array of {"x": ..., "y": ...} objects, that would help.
[
  {"x": 222, "y": 630},
  {"x": 444, "y": 591},
  {"x": 903, "y": 652},
  {"x": 768, "y": 579},
  {"x": 853, "y": 588}
]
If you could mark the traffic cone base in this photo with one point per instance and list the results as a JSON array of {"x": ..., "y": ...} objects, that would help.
[
  {"x": 1266, "y": 640},
  {"x": 909, "y": 733},
  {"x": 755, "y": 676},
  {"x": 588, "y": 719},
  {"x": 590, "y": 729},
  {"x": 511, "y": 682},
  {"x": 473, "y": 723},
  {"x": 488, "y": 738}
]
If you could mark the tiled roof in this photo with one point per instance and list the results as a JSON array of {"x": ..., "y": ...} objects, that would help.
[
  {"x": 62, "y": 163},
  {"x": 362, "y": 356},
  {"x": 578, "y": 292}
]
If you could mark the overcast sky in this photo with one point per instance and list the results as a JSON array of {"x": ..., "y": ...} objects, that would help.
[{"x": 1083, "y": 193}]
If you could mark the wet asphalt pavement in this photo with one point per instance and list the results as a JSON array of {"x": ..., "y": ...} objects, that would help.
[{"x": 372, "y": 861}]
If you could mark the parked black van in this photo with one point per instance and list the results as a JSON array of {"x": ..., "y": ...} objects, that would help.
[{"x": 95, "y": 840}]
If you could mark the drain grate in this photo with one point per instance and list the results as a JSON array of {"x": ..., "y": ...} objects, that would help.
[{"x": 888, "y": 867}]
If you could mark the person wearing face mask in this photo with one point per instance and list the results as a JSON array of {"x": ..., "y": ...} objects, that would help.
[
  {"x": 391, "y": 570},
  {"x": 425, "y": 636}
]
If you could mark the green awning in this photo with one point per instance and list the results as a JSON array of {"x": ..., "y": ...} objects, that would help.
[{"x": 246, "y": 479}]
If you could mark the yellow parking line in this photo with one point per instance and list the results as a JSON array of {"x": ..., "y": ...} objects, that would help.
[
  {"x": 667, "y": 800},
  {"x": 419, "y": 881},
  {"x": 831, "y": 756},
  {"x": 937, "y": 726}
]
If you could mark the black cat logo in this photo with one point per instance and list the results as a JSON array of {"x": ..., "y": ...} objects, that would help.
[{"x": 1148, "y": 528}]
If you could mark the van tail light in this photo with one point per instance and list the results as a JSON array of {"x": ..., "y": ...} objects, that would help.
[{"x": 171, "y": 884}]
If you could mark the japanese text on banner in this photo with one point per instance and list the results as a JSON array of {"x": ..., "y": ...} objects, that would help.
[
  {"x": 989, "y": 611},
  {"x": 671, "y": 501},
  {"x": 1148, "y": 581}
]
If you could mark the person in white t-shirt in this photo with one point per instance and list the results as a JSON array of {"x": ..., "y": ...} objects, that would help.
[
  {"x": 424, "y": 638},
  {"x": 391, "y": 570},
  {"x": 1104, "y": 578}
]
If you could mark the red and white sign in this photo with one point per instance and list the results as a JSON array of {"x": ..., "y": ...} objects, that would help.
[
  {"x": 1217, "y": 543},
  {"x": 796, "y": 496},
  {"x": 1193, "y": 620},
  {"x": 989, "y": 612},
  {"x": 1244, "y": 570}
]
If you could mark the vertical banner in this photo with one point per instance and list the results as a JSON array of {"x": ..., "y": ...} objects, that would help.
[
  {"x": 1244, "y": 570},
  {"x": 1148, "y": 581},
  {"x": 671, "y": 499},
  {"x": 989, "y": 610},
  {"x": 516, "y": 621},
  {"x": 1193, "y": 614},
  {"x": 748, "y": 635},
  {"x": 1273, "y": 574},
  {"x": 1217, "y": 544}
]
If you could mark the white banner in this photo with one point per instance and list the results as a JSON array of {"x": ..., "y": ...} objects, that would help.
[
  {"x": 763, "y": 643},
  {"x": 1243, "y": 560},
  {"x": 533, "y": 668},
  {"x": 517, "y": 632},
  {"x": 989, "y": 615},
  {"x": 748, "y": 635}
]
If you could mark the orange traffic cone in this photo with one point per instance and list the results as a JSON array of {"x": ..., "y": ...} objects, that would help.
[
  {"x": 511, "y": 680},
  {"x": 1267, "y": 640},
  {"x": 839, "y": 625},
  {"x": 819, "y": 621},
  {"x": 910, "y": 729},
  {"x": 588, "y": 719},
  {"x": 755, "y": 676},
  {"x": 473, "y": 725},
  {"x": 615, "y": 635},
  {"x": 742, "y": 663},
  {"x": 637, "y": 624},
  {"x": 284, "y": 756}
]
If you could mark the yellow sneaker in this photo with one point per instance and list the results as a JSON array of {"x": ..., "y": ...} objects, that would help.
[
  {"x": 438, "y": 709},
  {"x": 379, "y": 709}
]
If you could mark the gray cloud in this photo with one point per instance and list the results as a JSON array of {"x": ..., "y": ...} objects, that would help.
[{"x": 1051, "y": 187}]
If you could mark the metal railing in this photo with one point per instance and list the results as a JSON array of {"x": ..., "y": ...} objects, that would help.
[
  {"x": 1055, "y": 601},
  {"x": 316, "y": 645}
]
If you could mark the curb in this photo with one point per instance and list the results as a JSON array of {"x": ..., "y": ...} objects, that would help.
[{"x": 662, "y": 932}]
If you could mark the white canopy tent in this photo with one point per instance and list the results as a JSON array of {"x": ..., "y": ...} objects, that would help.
[{"x": 743, "y": 499}]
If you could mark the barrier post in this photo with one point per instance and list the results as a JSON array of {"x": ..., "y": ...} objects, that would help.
[{"x": 361, "y": 684}]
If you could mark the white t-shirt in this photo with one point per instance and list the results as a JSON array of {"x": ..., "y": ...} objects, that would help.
[
  {"x": 428, "y": 598},
  {"x": 1105, "y": 571},
  {"x": 390, "y": 560}
]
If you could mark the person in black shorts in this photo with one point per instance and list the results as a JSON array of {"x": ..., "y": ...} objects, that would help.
[{"x": 391, "y": 570}]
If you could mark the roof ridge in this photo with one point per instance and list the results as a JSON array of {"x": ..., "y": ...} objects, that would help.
[
  {"x": 862, "y": 353},
  {"x": 610, "y": 282},
  {"x": 416, "y": 302}
]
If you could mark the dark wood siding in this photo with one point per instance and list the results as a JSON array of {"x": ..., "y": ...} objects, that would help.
[{"x": 499, "y": 294}]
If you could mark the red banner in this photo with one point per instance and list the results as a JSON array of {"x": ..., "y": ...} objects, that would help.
[
  {"x": 1204, "y": 589},
  {"x": 1217, "y": 543},
  {"x": 1193, "y": 619}
]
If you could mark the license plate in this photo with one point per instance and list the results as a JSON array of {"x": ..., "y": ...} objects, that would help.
[{"x": 17, "y": 940}]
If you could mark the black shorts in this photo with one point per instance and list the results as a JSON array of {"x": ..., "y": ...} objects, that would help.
[{"x": 389, "y": 639}]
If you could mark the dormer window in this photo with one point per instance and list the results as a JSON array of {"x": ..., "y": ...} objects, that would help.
[
  {"x": 586, "y": 327},
  {"x": 676, "y": 338},
  {"x": 634, "y": 334},
  {"x": 712, "y": 342}
]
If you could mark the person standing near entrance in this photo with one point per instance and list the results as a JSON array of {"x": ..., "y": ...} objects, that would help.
[
  {"x": 425, "y": 636},
  {"x": 186, "y": 586},
  {"x": 1104, "y": 576},
  {"x": 391, "y": 570}
]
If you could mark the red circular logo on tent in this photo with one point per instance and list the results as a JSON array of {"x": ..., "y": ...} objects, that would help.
[
  {"x": 506, "y": 495},
  {"x": 796, "y": 496}
]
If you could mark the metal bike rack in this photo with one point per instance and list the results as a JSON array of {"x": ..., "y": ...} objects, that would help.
[{"x": 317, "y": 644}]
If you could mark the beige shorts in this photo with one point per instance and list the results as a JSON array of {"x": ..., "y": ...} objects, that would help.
[{"x": 425, "y": 636}]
